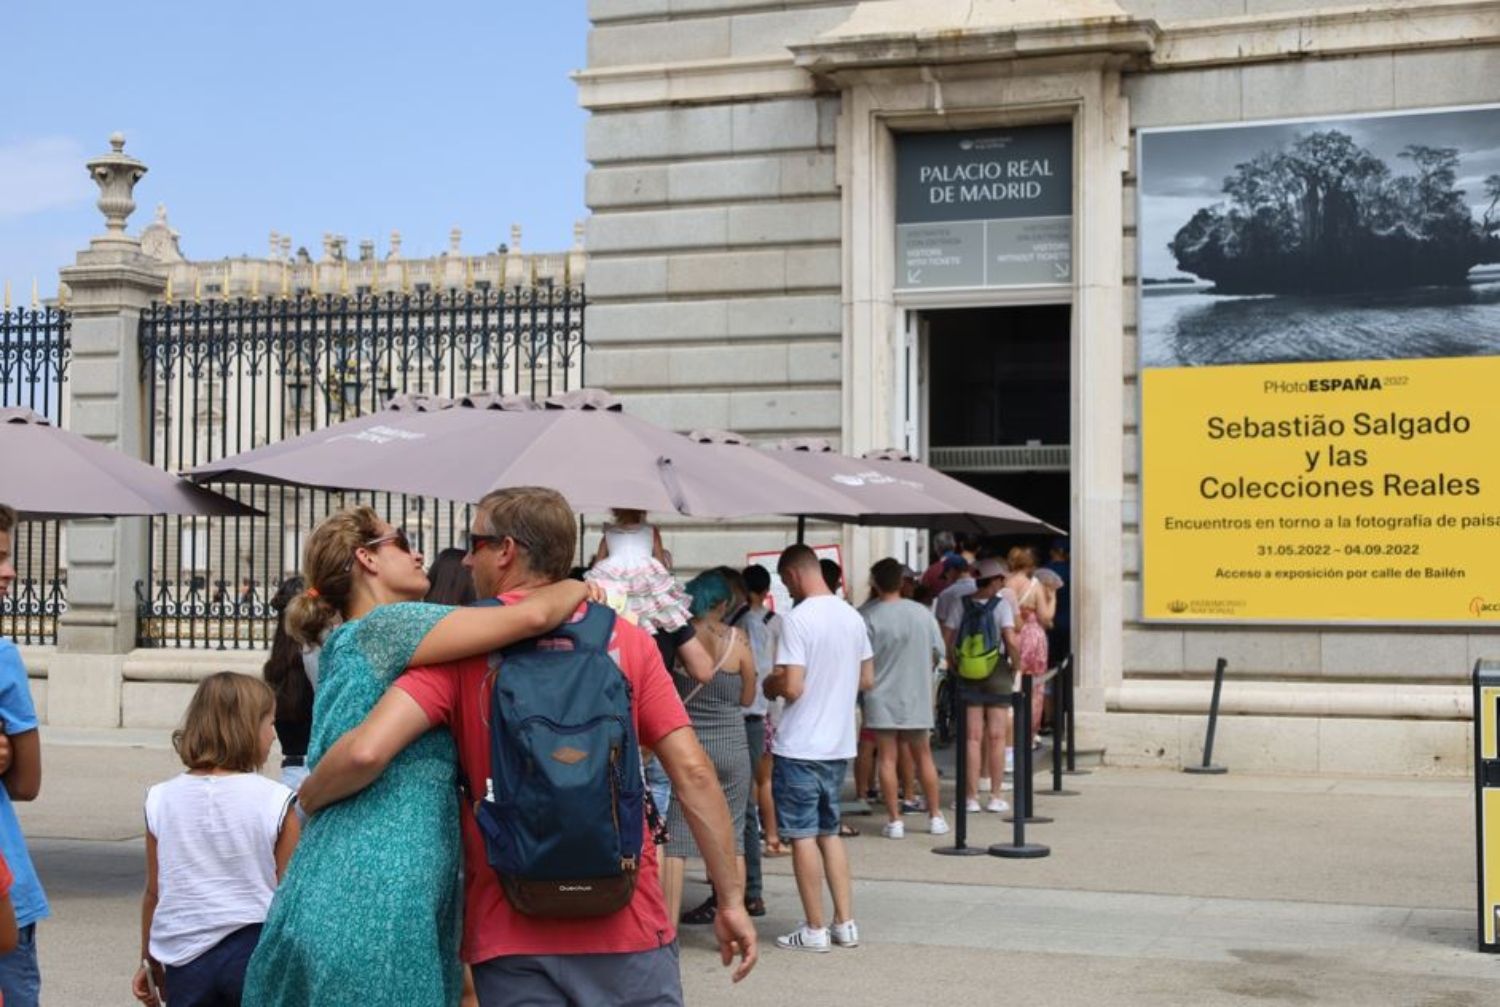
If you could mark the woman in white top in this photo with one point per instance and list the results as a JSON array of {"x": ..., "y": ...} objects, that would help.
[
  {"x": 217, "y": 840},
  {"x": 631, "y": 565}
]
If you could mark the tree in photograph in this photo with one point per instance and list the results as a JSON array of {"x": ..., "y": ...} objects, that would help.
[{"x": 1325, "y": 215}]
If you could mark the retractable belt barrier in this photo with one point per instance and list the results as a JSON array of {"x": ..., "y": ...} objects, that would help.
[{"x": 1018, "y": 847}]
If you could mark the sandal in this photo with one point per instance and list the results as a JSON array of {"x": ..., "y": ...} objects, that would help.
[
  {"x": 847, "y": 831},
  {"x": 755, "y": 906},
  {"x": 702, "y": 915}
]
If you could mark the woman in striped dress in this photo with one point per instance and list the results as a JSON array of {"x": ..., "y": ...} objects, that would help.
[{"x": 719, "y": 720}]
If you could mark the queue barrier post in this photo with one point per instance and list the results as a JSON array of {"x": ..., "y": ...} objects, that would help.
[
  {"x": 960, "y": 847},
  {"x": 1209, "y": 767},
  {"x": 1059, "y": 701},
  {"x": 1025, "y": 775},
  {"x": 1069, "y": 678},
  {"x": 1018, "y": 848}
]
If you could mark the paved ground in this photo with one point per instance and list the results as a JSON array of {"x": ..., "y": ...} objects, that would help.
[{"x": 1161, "y": 889}]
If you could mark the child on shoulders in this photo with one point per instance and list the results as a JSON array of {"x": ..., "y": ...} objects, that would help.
[{"x": 632, "y": 565}]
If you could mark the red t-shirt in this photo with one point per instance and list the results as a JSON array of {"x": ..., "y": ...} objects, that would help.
[{"x": 458, "y": 695}]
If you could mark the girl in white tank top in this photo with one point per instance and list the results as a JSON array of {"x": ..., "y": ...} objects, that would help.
[{"x": 218, "y": 838}]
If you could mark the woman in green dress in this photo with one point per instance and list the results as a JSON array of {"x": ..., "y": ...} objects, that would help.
[{"x": 369, "y": 913}]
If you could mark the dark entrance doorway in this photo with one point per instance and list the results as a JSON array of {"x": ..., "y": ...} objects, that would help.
[{"x": 999, "y": 394}]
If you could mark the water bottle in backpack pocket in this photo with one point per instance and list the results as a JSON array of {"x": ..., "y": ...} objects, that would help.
[{"x": 562, "y": 814}]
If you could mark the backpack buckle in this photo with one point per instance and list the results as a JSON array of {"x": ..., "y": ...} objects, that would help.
[{"x": 627, "y": 864}]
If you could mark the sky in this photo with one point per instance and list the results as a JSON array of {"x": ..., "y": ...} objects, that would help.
[
  {"x": 301, "y": 118},
  {"x": 1183, "y": 170}
]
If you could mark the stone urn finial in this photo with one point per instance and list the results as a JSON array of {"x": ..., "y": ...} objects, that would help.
[{"x": 116, "y": 174}]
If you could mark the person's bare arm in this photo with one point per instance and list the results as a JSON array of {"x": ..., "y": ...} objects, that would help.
[
  {"x": 148, "y": 913},
  {"x": 10, "y": 934},
  {"x": 23, "y": 780},
  {"x": 696, "y": 661},
  {"x": 1012, "y": 646},
  {"x": 746, "y": 661},
  {"x": 695, "y": 786},
  {"x": 786, "y": 682},
  {"x": 286, "y": 840},
  {"x": 465, "y": 632},
  {"x": 358, "y": 758},
  {"x": 1046, "y": 608},
  {"x": 867, "y": 674}
]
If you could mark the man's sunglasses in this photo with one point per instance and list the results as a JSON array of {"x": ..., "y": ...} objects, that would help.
[{"x": 478, "y": 542}]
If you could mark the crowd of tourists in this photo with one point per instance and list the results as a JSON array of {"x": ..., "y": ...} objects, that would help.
[{"x": 495, "y": 771}]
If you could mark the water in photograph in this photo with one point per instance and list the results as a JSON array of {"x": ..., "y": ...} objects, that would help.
[{"x": 1185, "y": 325}]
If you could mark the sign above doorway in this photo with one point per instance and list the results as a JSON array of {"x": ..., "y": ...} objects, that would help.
[{"x": 984, "y": 208}]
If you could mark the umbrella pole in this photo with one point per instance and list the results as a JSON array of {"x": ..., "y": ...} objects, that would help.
[{"x": 801, "y": 528}]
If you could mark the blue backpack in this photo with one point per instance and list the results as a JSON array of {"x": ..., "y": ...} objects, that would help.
[{"x": 562, "y": 812}]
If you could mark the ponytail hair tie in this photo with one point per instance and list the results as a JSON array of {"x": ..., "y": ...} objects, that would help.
[{"x": 312, "y": 592}]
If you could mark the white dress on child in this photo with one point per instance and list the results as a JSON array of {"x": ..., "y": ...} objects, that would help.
[{"x": 652, "y": 598}]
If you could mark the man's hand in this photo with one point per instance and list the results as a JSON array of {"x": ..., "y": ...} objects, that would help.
[
  {"x": 4, "y": 754},
  {"x": 736, "y": 935}
]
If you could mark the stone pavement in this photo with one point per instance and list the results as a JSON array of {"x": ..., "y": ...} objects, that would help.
[{"x": 1161, "y": 889}]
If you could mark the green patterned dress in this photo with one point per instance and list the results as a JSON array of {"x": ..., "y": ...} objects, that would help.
[{"x": 370, "y": 910}]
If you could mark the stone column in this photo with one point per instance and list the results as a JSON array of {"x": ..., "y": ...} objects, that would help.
[{"x": 111, "y": 282}]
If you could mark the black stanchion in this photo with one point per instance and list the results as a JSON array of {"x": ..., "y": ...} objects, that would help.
[
  {"x": 1018, "y": 848},
  {"x": 1070, "y": 670},
  {"x": 1208, "y": 766},
  {"x": 960, "y": 847},
  {"x": 1058, "y": 706},
  {"x": 1025, "y": 775}
]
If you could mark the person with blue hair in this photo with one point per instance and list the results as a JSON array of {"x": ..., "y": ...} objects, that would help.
[{"x": 718, "y": 719}]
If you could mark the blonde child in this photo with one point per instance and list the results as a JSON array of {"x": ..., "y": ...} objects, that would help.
[{"x": 218, "y": 838}]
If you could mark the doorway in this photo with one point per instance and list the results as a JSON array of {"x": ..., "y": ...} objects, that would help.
[{"x": 998, "y": 396}]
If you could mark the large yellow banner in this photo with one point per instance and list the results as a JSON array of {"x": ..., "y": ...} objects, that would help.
[{"x": 1360, "y": 491}]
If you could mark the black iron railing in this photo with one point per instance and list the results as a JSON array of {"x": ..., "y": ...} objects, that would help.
[
  {"x": 34, "y": 354},
  {"x": 225, "y": 376}
]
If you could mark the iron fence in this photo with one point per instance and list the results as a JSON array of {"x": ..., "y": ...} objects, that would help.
[
  {"x": 34, "y": 354},
  {"x": 225, "y": 376}
]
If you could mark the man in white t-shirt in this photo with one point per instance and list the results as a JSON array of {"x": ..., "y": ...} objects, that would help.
[{"x": 823, "y": 661}]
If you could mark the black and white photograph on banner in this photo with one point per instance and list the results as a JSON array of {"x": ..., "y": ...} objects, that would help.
[{"x": 1361, "y": 238}]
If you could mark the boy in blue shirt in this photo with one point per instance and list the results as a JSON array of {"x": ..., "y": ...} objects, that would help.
[{"x": 21, "y": 774}]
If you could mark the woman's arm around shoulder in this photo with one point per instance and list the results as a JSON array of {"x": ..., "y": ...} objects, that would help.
[{"x": 466, "y": 632}]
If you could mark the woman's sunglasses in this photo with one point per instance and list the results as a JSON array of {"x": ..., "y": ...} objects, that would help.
[{"x": 396, "y": 538}]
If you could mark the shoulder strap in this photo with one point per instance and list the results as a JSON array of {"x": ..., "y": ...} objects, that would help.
[{"x": 768, "y": 617}]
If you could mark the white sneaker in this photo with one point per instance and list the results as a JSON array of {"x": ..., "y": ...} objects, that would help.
[
  {"x": 996, "y": 805},
  {"x": 970, "y": 805},
  {"x": 805, "y": 938},
  {"x": 894, "y": 830},
  {"x": 984, "y": 781},
  {"x": 937, "y": 825},
  {"x": 846, "y": 934}
]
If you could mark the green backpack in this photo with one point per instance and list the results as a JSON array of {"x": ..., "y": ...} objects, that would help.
[{"x": 978, "y": 650}]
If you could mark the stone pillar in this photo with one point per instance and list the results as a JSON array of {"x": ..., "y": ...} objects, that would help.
[{"x": 111, "y": 283}]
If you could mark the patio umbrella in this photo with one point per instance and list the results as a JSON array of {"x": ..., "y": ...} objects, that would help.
[
  {"x": 894, "y": 490},
  {"x": 47, "y": 472},
  {"x": 582, "y": 444}
]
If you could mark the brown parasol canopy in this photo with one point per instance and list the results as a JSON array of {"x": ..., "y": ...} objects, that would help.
[{"x": 47, "y": 472}]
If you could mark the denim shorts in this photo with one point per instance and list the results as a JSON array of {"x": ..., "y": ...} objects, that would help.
[
  {"x": 807, "y": 796},
  {"x": 20, "y": 979}
]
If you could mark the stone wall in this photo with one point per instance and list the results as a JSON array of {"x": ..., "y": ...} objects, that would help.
[{"x": 714, "y": 240}]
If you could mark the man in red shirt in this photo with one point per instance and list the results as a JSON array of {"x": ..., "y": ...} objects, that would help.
[{"x": 522, "y": 539}]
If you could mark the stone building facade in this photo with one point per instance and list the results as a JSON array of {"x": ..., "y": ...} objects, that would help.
[{"x": 742, "y": 276}]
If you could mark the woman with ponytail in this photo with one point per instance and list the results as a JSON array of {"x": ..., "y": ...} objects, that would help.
[{"x": 369, "y": 911}]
